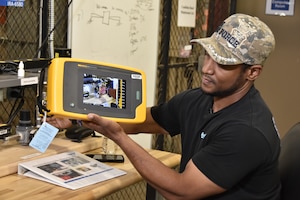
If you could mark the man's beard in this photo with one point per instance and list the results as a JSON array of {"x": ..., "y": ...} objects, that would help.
[{"x": 229, "y": 91}]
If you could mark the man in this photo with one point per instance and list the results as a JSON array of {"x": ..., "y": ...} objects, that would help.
[{"x": 230, "y": 145}]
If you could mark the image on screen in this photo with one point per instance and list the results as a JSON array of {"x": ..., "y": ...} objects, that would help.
[{"x": 104, "y": 91}]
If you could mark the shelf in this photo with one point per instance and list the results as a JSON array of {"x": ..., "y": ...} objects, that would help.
[{"x": 12, "y": 80}]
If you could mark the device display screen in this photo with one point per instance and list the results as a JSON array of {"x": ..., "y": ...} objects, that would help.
[{"x": 104, "y": 91}]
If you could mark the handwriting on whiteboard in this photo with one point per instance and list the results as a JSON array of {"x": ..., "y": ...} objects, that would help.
[{"x": 108, "y": 15}]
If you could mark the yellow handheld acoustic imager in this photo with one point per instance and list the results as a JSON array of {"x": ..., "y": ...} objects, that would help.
[{"x": 76, "y": 87}]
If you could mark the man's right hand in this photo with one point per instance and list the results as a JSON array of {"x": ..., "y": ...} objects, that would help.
[{"x": 60, "y": 123}]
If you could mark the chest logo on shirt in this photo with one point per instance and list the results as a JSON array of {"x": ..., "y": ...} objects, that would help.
[{"x": 203, "y": 135}]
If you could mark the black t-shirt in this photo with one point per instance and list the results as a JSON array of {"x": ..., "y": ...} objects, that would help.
[{"x": 237, "y": 147}]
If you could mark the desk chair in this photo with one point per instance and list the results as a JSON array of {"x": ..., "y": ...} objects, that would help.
[{"x": 289, "y": 164}]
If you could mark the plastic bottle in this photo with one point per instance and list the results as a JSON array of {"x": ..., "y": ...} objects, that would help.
[
  {"x": 21, "y": 71},
  {"x": 24, "y": 128}
]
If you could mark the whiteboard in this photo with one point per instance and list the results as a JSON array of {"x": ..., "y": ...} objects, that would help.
[{"x": 122, "y": 32}]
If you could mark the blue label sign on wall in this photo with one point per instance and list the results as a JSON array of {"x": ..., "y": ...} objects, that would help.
[
  {"x": 280, "y": 7},
  {"x": 15, "y": 3},
  {"x": 280, "y": 4}
]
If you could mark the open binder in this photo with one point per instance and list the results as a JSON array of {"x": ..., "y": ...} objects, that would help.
[{"x": 72, "y": 170}]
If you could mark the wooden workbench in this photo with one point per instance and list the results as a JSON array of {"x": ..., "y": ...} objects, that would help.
[
  {"x": 16, "y": 187},
  {"x": 11, "y": 153}
]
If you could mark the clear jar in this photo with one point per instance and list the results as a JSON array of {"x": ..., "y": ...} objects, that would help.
[
  {"x": 109, "y": 146},
  {"x": 25, "y": 134}
]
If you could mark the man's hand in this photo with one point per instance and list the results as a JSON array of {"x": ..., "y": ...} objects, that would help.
[
  {"x": 109, "y": 128},
  {"x": 60, "y": 123}
]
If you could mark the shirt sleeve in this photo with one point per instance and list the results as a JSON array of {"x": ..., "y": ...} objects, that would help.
[
  {"x": 165, "y": 116},
  {"x": 172, "y": 114}
]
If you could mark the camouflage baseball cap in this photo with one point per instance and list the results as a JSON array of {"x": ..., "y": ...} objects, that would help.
[{"x": 240, "y": 39}]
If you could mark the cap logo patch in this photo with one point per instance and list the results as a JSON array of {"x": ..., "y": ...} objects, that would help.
[{"x": 228, "y": 37}]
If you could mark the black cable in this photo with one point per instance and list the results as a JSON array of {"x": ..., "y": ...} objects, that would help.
[
  {"x": 14, "y": 113},
  {"x": 40, "y": 99},
  {"x": 8, "y": 67}
]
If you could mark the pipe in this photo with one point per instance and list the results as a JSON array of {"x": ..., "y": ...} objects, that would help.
[{"x": 51, "y": 27}]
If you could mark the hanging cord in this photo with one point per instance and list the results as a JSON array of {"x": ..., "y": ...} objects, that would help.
[
  {"x": 40, "y": 98},
  {"x": 14, "y": 111}
]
